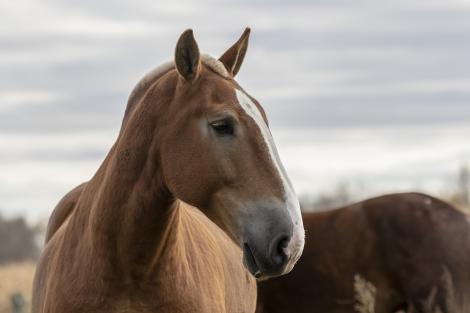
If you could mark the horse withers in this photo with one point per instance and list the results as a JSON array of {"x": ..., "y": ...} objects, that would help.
[
  {"x": 396, "y": 253},
  {"x": 190, "y": 204}
]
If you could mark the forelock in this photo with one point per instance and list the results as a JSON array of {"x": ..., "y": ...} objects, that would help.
[
  {"x": 145, "y": 82},
  {"x": 215, "y": 65}
]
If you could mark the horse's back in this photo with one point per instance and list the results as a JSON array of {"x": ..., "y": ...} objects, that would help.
[
  {"x": 425, "y": 243},
  {"x": 402, "y": 243},
  {"x": 63, "y": 210},
  {"x": 50, "y": 253}
]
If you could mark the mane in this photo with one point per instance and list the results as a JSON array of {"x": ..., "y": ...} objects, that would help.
[
  {"x": 145, "y": 82},
  {"x": 215, "y": 65}
]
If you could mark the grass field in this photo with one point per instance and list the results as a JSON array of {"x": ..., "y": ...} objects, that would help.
[{"x": 14, "y": 278}]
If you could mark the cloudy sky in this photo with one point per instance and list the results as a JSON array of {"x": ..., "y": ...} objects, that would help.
[{"x": 375, "y": 93}]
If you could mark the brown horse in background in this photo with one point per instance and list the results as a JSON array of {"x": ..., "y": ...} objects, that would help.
[
  {"x": 192, "y": 187},
  {"x": 410, "y": 250}
]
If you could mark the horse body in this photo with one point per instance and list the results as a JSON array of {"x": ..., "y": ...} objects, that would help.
[
  {"x": 190, "y": 181},
  {"x": 197, "y": 270},
  {"x": 413, "y": 249}
]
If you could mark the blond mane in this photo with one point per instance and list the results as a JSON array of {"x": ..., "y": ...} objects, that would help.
[
  {"x": 145, "y": 82},
  {"x": 149, "y": 78}
]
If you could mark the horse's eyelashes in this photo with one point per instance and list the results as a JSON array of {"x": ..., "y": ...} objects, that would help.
[{"x": 223, "y": 127}]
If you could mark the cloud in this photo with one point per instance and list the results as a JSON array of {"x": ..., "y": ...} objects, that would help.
[{"x": 330, "y": 66}]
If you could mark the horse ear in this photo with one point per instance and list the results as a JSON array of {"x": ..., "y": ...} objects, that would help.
[
  {"x": 233, "y": 57},
  {"x": 187, "y": 58}
]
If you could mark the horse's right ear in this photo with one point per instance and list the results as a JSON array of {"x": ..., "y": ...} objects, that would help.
[
  {"x": 233, "y": 57},
  {"x": 187, "y": 58}
]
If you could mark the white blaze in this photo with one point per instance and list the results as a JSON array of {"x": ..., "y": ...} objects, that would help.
[{"x": 296, "y": 244}]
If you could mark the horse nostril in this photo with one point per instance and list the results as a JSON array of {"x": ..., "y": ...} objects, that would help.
[
  {"x": 278, "y": 250},
  {"x": 283, "y": 243}
]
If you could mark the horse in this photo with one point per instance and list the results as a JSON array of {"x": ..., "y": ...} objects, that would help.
[
  {"x": 398, "y": 252},
  {"x": 189, "y": 208}
]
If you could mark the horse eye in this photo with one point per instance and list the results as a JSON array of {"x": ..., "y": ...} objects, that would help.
[{"x": 223, "y": 127}]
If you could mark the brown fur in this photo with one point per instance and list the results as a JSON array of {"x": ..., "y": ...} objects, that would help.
[
  {"x": 63, "y": 210},
  {"x": 401, "y": 243},
  {"x": 127, "y": 241}
]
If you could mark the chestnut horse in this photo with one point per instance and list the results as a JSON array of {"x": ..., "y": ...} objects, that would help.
[
  {"x": 412, "y": 248},
  {"x": 189, "y": 201}
]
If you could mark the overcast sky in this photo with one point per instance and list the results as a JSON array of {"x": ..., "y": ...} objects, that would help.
[{"x": 376, "y": 93}]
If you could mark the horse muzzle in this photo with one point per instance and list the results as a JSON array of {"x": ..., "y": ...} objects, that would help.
[{"x": 271, "y": 249}]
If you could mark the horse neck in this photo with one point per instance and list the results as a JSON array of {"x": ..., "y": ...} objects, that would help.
[{"x": 133, "y": 215}]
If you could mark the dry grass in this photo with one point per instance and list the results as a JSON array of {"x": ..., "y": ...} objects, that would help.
[
  {"x": 14, "y": 278},
  {"x": 365, "y": 295}
]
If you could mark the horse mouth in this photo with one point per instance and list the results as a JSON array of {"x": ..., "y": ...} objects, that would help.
[{"x": 250, "y": 261}]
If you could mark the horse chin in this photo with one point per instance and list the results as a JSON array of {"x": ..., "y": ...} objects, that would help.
[
  {"x": 253, "y": 266},
  {"x": 250, "y": 263}
]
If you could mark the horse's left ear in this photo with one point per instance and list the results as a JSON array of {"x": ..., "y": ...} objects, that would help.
[
  {"x": 187, "y": 57},
  {"x": 233, "y": 57}
]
